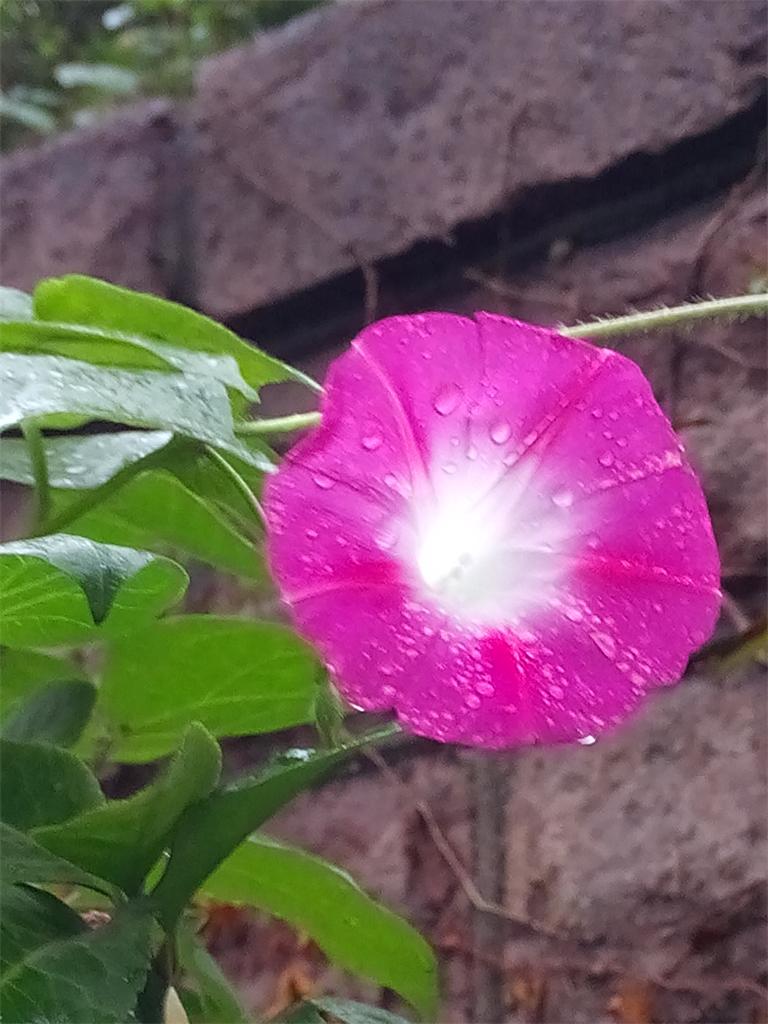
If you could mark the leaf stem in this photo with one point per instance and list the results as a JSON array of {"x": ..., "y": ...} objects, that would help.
[
  {"x": 278, "y": 425},
  {"x": 39, "y": 462},
  {"x": 229, "y": 470},
  {"x": 672, "y": 316}
]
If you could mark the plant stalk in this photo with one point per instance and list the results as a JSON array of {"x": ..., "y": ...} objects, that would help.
[{"x": 672, "y": 316}]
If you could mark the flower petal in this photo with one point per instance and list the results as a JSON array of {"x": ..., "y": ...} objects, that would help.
[{"x": 494, "y": 531}]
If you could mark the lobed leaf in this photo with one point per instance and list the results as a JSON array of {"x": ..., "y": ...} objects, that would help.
[
  {"x": 42, "y": 386},
  {"x": 24, "y": 860},
  {"x": 121, "y": 839},
  {"x": 54, "y": 589},
  {"x": 211, "y": 830},
  {"x": 86, "y": 300},
  {"x": 23, "y": 672},
  {"x": 56, "y": 713},
  {"x": 84, "y": 977},
  {"x": 233, "y": 675},
  {"x": 353, "y": 930},
  {"x": 42, "y": 785}
]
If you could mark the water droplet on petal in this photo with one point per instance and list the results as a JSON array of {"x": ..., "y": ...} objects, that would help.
[
  {"x": 606, "y": 459},
  {"x": 449, "y": 467},
  {"x": 322, "y": 481},
  {"x": 605, "y": 643},
  {"x": 311, "y": 534},
  {"x": 471, "y": 453},
  {"x": 486, "y": 689},
  {"x": 472, "y": 700},
  {"x": 500, "y": 432},
  {"x": 563, "y": 499},
  {"x": 587, "y": 741},
  {"x": 371, "y": 441},
  {"x": 573, "y": 615},
  {"x": 447, "y": 399}
]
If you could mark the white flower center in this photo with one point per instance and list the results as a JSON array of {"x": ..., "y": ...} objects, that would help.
[{"x": 488, "y": 555}]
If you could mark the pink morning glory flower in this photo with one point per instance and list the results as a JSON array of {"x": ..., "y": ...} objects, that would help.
[{"x": 494, "y": 532}]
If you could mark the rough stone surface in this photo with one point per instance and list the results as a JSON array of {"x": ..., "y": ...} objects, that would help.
[
  {"x": 93, "y": 201},
  {"x": 316, "y": 154},
  {"x": 653, "y": 831}
]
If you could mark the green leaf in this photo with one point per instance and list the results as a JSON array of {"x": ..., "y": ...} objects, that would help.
[
  {"x": 105, "y": 77},
  {"x": 212, "y": 829},
  {"x": 154, "y": 510},
  {"x": 42, "y": 785},
  {"x": 114, "y": 348},
  {"x": 29, "y": 919},
  {"x": 348, "y": 1011},
  {"x": 24, "y": 860},
  {"x": 92, "y": 976},
  {"x": 22, "y": 672},
  {"x": 81, "y": 462},
  {"x": 56, "y": 713},
  {"x": 86, "y": 300},
  {"x": 353, "y": 930},
  {"x": 40, "y": 386},
  {"x": 28, "y": 114},
  {"x": 236, "y": 677},
  {"x": 122, "y": 839},
  {"x": 53, "y": 589},
  {"x": 301, "y": 1013},
  {"x": 217, "y": 1000},
  {"x": 14, "y": 305}
]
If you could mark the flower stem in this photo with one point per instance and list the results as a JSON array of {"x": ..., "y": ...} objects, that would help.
[
  {"x": 34, "y": 439},
  {"x": 279, "y": 425},
  {"x": 658, "y": 319},
  {"x": 229, "y": 470}
]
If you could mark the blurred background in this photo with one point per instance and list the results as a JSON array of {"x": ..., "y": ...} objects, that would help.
[{"x": 296, "y": 170}]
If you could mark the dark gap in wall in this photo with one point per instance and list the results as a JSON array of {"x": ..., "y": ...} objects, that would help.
[{"x": 637, "y": 192}]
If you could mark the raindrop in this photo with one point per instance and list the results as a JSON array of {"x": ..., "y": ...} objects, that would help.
[
  {"x": 486, "y": 689},
  {"x": 385, "y": 539},
  {"x": 557, "y": 692},
  {"x": 587, "y": 741},
  {"x": 371, "y": 441},
  {"x": 447, "y": 400},
  {"x": 621, "y": 442},
  {"x": 500, "y": 432},
  {"x": 606, "y": 459},
  {"x": 472, "y": 700},
  {"x": 597, "y": 412},
  {"x": 563, "y": 499},
  {"x": 449, "y": 467},
  {"x": 391, "y": 481},
  {"x": 605, "y": 643},
  {"x": 573, "y": 615},
  {"x": 322, "y": 481},
  {"x": 471, "y": 453},
  {"x": 311, "y": 534},
  {"x": 388, "y": 691}
]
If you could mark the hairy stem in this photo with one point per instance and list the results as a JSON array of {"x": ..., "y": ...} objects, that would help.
[{"x": 672, "y": 316}]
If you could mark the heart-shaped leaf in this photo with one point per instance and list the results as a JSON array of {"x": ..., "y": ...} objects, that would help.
[{"x": 54, "y": 589}]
